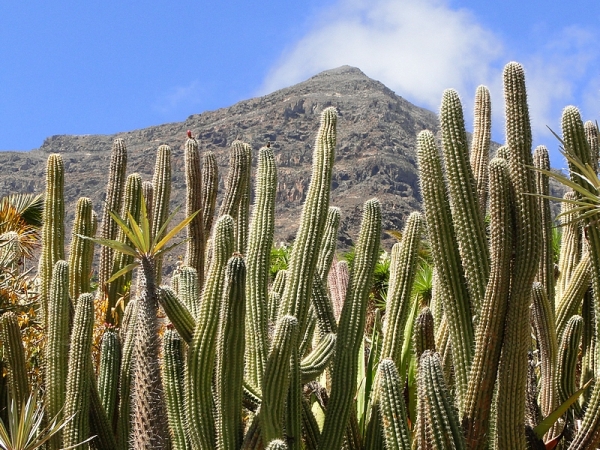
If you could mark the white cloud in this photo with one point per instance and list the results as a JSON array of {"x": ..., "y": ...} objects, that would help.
[{"x": 418, "y": 48}]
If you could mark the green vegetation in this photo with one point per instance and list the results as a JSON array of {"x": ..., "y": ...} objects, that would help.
[{"x": 463, "y": 335}]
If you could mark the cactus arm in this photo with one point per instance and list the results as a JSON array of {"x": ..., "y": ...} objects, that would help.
[
  {"x": 351, "y": 329},
  {"x": 276, "y": 380},
  {"x": 201, "y": 353},
  {"x": 513, "y": 367},
  {"x": 260, "y": 241},
  {"x": 545, "y": 274},
  {"x": 15, "y": 358},
  {"x": 108, "y": 374},
  {"x": 313, "y": 364},
  {"x": 467, "y": 218},
  {"x": 114, "y": 198},
  {"x": 53, "y": 228},
  {"x": 303, "y": 261},
  {"x": 570, "y": 247},
  {"x": 390, "y": 392},
  {"x": 404, "y": 261},
  {"x": 243, "y": 212},
  {"x": 229, "y": 372},
  {"x": 446, "y": 258},
  {"x": 178, "y": 314},
  {"x": 210, "y": 183},
  {"x": 80, "y": 373},
  {"x": 172, "y": 373},
  {"x": 480, "y": 145},
  {"x": 567, "y": 361},
  {"x": 194, "y": 256},
  {"x": 80, "y": 268},
  {"x": 574, "y": 293}
]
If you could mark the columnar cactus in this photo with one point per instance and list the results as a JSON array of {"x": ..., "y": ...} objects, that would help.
[
  {"x": 567, "y": 361},
  {"x": 161, "y": 183},
  {"x": 194, "y": 256},
  {"x": 15, "y": 357},
  {"x": 210, "y": 183},
  {"x": 390, "y": 393},
  {"x": 260, "y": 242},
  {"x": 80, "y": 373},
  {"x": 114, "y": 199},
  {"x": 480, "y": 145},
  {"x": 173, "y": 373},
  {"x": 108, "y": 373},
  {"x": 201, "y": 353},
  {"x": 53, "y": 228},
  {"x": 512, "y": 378},
  {"x": 80, "y": 257},
  {"x": 351, "y": 328}
]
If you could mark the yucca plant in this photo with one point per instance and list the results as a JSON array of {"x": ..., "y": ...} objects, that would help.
[{"x": 25, "y": 430}]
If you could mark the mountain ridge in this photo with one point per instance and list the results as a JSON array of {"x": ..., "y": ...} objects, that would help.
[{"x": 375, "y": 154}]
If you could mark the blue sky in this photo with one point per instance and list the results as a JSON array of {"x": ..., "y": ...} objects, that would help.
[{"x": 75, "y": 67}]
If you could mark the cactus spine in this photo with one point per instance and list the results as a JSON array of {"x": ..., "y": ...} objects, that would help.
[{"x": 351, "y": 329}]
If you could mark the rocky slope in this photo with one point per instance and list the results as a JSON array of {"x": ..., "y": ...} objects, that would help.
[{"x": 375, "y": 150}]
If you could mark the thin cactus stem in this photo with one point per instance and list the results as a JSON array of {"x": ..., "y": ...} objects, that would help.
[
  {"x": 114, "y": 198},
  {"x": 567, "y": 361},
  {"x": 545, "y": 332},
  {"x": 574, "y": 293},
  {"x": 201, "y": 353},
  {"x": 570, "y": 246},
  {"x": 179, "y": 315},
  {"x": 467, "y": 218},
  {"x": 161, "y": 183},
  {"x": 189, "y": 290},
  {"x": 229, "y": 372},
  {"x": 295, "y": 300},
  {"x": 446, "y": 258},
  {"x": 194, "y": 256},
  {"x": 424, "y": 332},
  {"x": 276, "y": 380},
  {"x": 390, "y": 393},
  {"x": 172, "y": 373},
  {"x": 403, "y": 266},
  {"x": 513, "y": 364},
  {"x": 351, "y": 329},
  {"x": 545, "y": 274},
  {"x": 293, "y": 407},
  {"x": 108, "y": 373},
  {"x": 243, "y": 213},
  {"x": 79, "y": 374},
  {"x": 480, "y": 145},
  {"x": 260, "y": 242},
  {"x": 53, "y": 229},
  {"x": 210, "y": 183},
  {"x": 235, "y": 185},
  {"x": 14, "y": 355},
  {"x": 338, "y": 284},
  {"x": 80, "y": 268},
  {"x": 591, "y": 134},
  {"x": 57, "y": 345}
]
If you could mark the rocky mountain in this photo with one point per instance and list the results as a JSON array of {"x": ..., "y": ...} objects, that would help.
[{"x": 375, "y": 150}]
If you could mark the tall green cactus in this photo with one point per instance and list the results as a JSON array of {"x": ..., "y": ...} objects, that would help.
[
  {"x": 567, "y": 361},
  {"x": 513, "y": 368},
  {"x": 80, "y": 373},
  {"x": 210, "y": 180},
  {"x": 108, "y": 373},
  {"x": 161, "y": 184},
  {"x": 201, "y": 353},
  {"x": 260, "y": 242},
  {"x": 480, "y": 145},
  {"x": 15, "y": 357},
  {"x": 57, "y": 345},
  {"x": 467, "y": 218},
  {"x": 229, "y": 371},
  {"x": 351, "y": 329},
  {"x": 80, "y": 260},
  {"x": 194, "y": 256},
  {"x": 114, "y": 199},
  {"x": 446, "y": 258},
  {"x": 53, "y": 228},
  {"x": 391, "y": 406}
]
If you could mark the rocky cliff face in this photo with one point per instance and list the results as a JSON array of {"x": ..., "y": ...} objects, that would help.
[{"x": 375, "y": 150}]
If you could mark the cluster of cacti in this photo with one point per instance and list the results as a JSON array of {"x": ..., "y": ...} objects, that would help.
[{"x": 245, "y": 364}]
